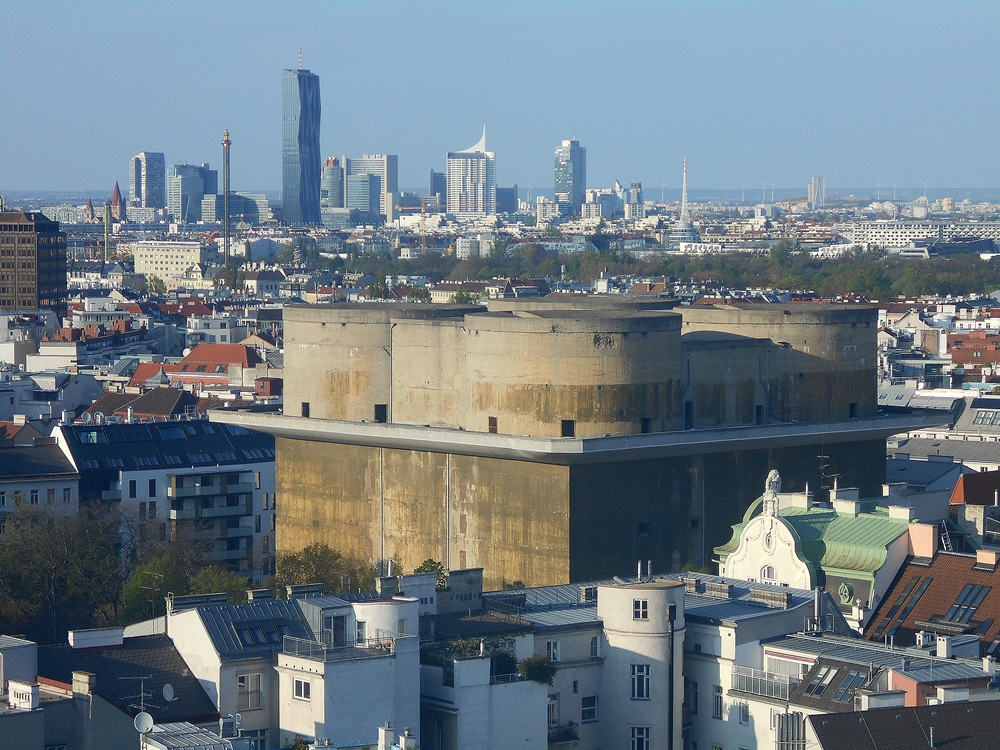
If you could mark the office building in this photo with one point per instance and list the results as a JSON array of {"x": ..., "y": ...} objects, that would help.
[
  {"x": 32, "y": 263},
  {"x": 817, "y": 192},
  {"x": 571, "y": 174},
  {"x": 300, "y": 155},
  {"x": 471, "y": 177},
  {"x": 383, "y": 166},
  {"x": 438, "y": 187},
  {"x": 147, "y": 180},
  {"x": 187, "y": 184},
  {"x": 331, "y": 186},
  {"x": 582, "y": 433},
  {"x": 507, "y": 200},
  {"x": 163, "y": 258},
  {"x": 363, "y": 194}
]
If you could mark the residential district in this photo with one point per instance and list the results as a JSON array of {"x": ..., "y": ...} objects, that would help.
[{"x": 370, "y": 468}]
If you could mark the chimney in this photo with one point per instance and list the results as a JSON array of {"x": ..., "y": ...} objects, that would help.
[
  {"x": 84, "y": 682},
  {"x": 407, "y": 741},
  {"x": 259, "y": 594},
  {"x": 387, "y": 586},
  {"x": 385, "y": 737},
  {"x": 67, "y": 417},
  {"x": 845, "y": 507},
  {"x": 130, "y": 416},
  {"x": 24, "y": 695},
  {"x": 944, "y": 647},
  {"x": 817, "y": 605},
  {"x": 638, "y": 572}
]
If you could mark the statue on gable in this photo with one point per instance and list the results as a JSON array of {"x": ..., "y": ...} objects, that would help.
[{"x": 772, "y": 486}]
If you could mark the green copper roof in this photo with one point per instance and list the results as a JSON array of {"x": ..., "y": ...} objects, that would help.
[{"x": 832, "y": 541}]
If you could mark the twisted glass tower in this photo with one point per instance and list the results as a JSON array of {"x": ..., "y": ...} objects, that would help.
[{"x": 301, "y": 164}]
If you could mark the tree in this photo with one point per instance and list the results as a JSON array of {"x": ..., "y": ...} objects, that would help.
[
  {"x": 155, "y": 285},
  {"x": 214, "y": 580},
  {"x": 315, "y": 563},
  {"x": 464, "y": 298},
  {"x": 380, "y": 289},
  {"x": 433, "y": 566},
  {"x": 780, "y": 252},
  {"x": 537, "y": 668},
  {"x": 552, "y": 231},
  {"x": 418, "y": 294},
  {"x": 149, "y": 584}
]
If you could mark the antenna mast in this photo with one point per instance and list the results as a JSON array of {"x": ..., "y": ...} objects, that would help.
[{"x": 300, "y": 58}]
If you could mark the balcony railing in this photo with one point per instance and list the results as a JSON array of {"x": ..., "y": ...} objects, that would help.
[
  {"x": 506, "y": 679},
  {"x": 759, "y": 682},
  {"x": 563, "y": 733},
  {"x": 381, "y": 645}
]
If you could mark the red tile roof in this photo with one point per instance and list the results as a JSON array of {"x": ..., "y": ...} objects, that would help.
[
  {"x": 924, "y": 593},
  {"x": 223, "y": 354}
]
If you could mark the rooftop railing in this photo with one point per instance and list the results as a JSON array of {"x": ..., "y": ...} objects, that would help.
[
  {"x": 381, "y": 645},
  {"x": 759, "y": 682}
]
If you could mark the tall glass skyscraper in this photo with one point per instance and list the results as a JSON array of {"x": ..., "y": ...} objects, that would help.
[
  {"x": 471, "y": 180},
  {"x": 571, "y": 174},
  {"x": 300, "y": 156},
  {"x": 147, "y": 180}
]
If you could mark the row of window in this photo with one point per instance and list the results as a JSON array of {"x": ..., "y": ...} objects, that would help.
[
  {"x": 34, "y": 496},
  {"x": 552, "y": 649}
]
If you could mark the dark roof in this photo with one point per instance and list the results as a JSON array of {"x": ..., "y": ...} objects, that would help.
[
  {"x": 101, "y": 451},
  {"x": 957, "y": 726},
  {"x": 830, "y": 698},
  {"x": 162, "y": 402},
  {"x": 925, "y": 592},
  {"x": 275, "y": 618},
  {"x": 269, "y": 313},
  {"x": 30, "y": 461},
  {"x": 146, "y": 655},
  {"x": 978, "y": 488},
  {"x": 111, "y": 402}
]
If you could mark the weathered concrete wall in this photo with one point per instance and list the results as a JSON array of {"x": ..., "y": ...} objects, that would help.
[
  {"x": 428, "y": 368},
  {"x": 606, "y": 373},
  {"x": 511, "y": 517}
]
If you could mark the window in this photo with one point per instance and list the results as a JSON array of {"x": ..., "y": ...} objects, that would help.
[
  {"x": 640, "y": 682},
  {"x": 569, "y": 428},
  {"x": 492, "y": 424},
  {"x": 248, "y": 691},
  {"x": 301, "y": 689},
  {"x": 744, "y": 712},
  {"x": 716, "y": 701},
  {"x": 305, "y": 408},
  {"x": 845, "y": 693},
  {"x": 767, "y": 573},
  {"x": 152, "y": 488},
  {"x": 362, "y": 631},
  {"x": 640, "y": 738},
  {"x": 595, "y": 647},
  {"x": 381, "y": 412},
  {"x": 820, "y": 681},
  {"x": 646, "y": 425},
  {"x": 3, "y": 499},
  {"x": 256, "y": 525},
  {"x": 256, "y": 479},
  {"x": 91, "y": 463},
  {"x": 588, "y": 709},
  {"x": 132, "y": 491},
  {"x": 553, "y": 710},
  {"x": 691, "y": 695},
  {"x": 640, "y": 609},
  {"x": 552, "y": 650},
  {"x": 257, "y": 737},
  {"x": 965, "y": 605},
  {"x": 67, "y": 495},
  {"x": 34, "y": 497},
  {"x": 152, "y": 510},
  {"x": 401, "y": 627},
  {"x": 50, "y": 496}
]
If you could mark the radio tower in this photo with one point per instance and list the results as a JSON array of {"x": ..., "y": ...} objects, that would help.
[{"x": 225, "y": 194}]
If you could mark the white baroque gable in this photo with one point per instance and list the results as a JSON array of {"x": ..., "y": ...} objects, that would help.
[{"x": 767, "y": 548}]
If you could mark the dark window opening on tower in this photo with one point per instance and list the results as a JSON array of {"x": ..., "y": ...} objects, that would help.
[
  {"x": 852, "y": 410},
  {"x": 647, "y": 425},
  {"x": 760, "y": 414},
  {"x": 493, "y": 424},
  {"x": 569, "y": 428},
  {"x": 305, "y": 408},
  {"x": 381, "y": 412},
  {"x": 689, "y": 415}
]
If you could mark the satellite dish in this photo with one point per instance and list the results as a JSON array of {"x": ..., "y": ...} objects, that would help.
[
  {"x": 143, "y": 722},
  {"x": 86, "y": 417},
  {"x": 168, "y": 692}
]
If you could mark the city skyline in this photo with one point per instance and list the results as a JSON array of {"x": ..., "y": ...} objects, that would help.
[{"x": 758, "y": 110}]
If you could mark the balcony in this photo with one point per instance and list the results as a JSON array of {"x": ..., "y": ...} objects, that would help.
[
  {"x": 563, "y": 733},
  {"x": 111, "y": 494},
  {"x": 225, "y": 511},
  {"x": 765, "y": 684},
  {"x": 227, "y": 554},
  {"x": 237, "y": 532},
  {"x": 381, "y": 645},
  {"x": 210, "y": 490}
]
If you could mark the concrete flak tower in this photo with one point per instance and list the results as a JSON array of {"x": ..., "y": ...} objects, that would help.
[{"x": 225, "y": 193}]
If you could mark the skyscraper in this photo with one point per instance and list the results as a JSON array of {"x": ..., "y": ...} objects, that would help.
[
  {"x": 37, "y": 279},
  {"x": 571, "y": 174},
  {"x": 383, "y": 166},
  {"x": 471, "y": 176},
  {"x": 438, "y": 187},
  {"x": 331, "y": 186},
  {"x": 187, "y": 184},
  {"x": 147, "y": 180},
  {"x": 363, "y": 194},
  {"x": 817, "y": 192},
  {"x": 300, "y": 157}
]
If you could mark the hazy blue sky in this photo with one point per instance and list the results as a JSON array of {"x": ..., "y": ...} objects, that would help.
[{"x": 750, "y": 92}]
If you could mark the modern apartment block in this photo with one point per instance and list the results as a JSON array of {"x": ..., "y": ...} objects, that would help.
[
  {"x": 301, "y": 163},
  {"x": 32, "y": 263},
  {"x": 554, "y": 441},
  {"x": 184, "y": 476},
  {"x": 147, "y": 180},
  {"x": 471, "y": 180}
]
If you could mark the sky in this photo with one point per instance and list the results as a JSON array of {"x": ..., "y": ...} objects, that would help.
[{"x": 749, "y": 92}]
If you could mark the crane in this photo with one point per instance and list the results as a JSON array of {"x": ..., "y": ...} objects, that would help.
[{"x": 424, "y": 205}]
